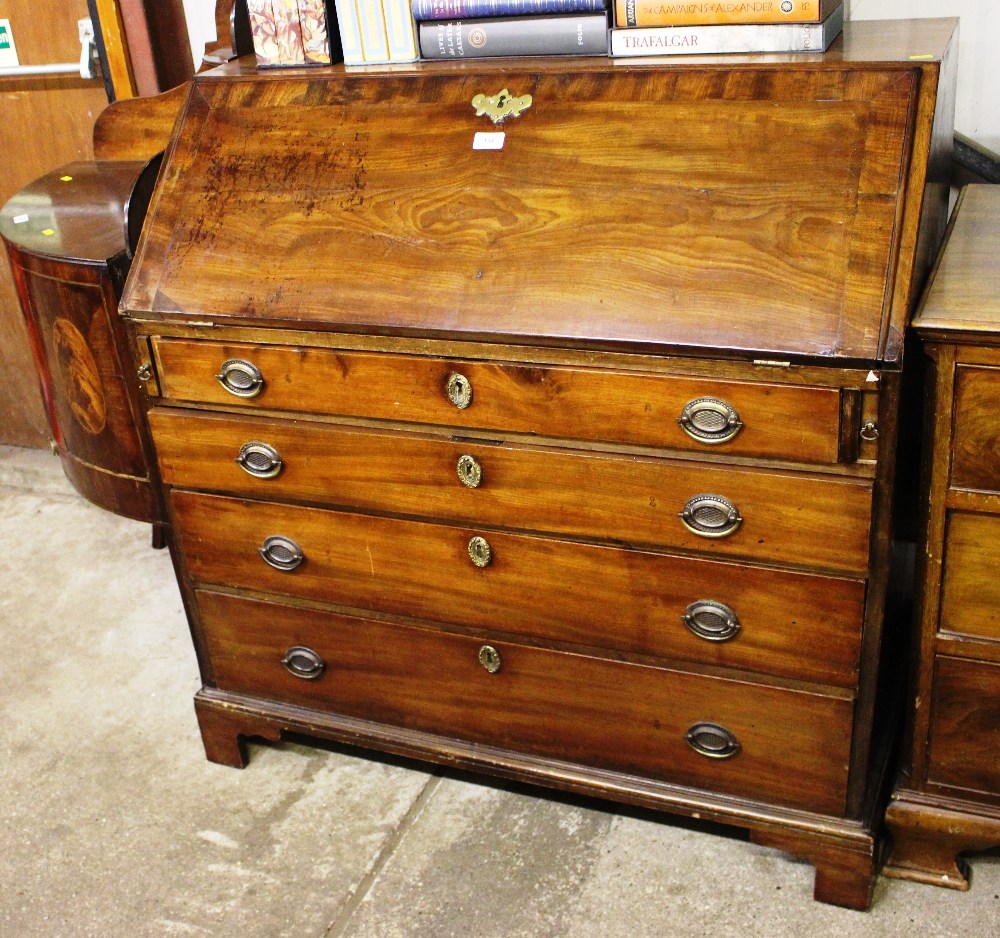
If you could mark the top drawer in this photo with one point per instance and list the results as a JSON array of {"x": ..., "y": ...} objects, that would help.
[
  {"x": 976, "y": 459},
  {"x": 677, "y": 412}
]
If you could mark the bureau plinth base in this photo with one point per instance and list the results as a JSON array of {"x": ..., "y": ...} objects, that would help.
[
  {"x": 928, "y": 836},
  {"x": 843, "y": 852}
]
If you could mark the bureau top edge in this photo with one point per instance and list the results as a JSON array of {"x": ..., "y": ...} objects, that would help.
[{"x": 903, "y": 41}]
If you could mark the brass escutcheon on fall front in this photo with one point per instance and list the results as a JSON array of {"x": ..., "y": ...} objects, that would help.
[{"x": 501, "y": 105}]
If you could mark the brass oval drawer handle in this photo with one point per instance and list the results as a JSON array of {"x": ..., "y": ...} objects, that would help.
[
  {"x": 710, "y": 516},
  {"x": 711, "y": 620},
  {"x": 710, "y": 420},
  {"x": 459, "y": 390},
  {"x": 712, "y": 741},
  {"x": 260, "y": 460},
  {"x": 490, "y": 659},
  {"x": 241, "y": 378},
  {"x": 480, "y": 551},
  {"x": 303, "y": 662},
  {"x": 470, "y": 472},
  {"x": 282, "y": 553}
]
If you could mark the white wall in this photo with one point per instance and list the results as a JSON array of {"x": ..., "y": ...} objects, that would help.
[
  {"x": 200, "y": 16},
  {"x": 977, "y": 113},
  {"x": 978, "y": 106}
]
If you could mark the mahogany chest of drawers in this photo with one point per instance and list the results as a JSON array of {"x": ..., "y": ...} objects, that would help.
[
  {"x": 561, "y": 446},
  {"x": 948, "y": 798}
]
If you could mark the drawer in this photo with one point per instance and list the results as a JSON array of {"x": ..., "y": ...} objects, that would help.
[
  {"x": 788, "y": 517},
  {"x": 746, "y": 419},
  {"x": 970, "y": 600},
  {"x": 793, "y": 747},
  {"x": 801, "y": 626},
  {"x": 976, "y": 457},
  {"x": 965, "y": 726}
]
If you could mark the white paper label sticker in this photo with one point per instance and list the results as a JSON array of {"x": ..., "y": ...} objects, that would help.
[
  {"x": 488, "y": 140},
  {"x": 872, "y": 377},
  {"x": 8, "y": 51},
  {"x": 20, "y": 219}
]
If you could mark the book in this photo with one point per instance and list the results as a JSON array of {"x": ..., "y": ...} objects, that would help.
[
  {"x": 466, "y": 9},
  {"x": 288, "y": 32},
  {"x": 350, "y": 32},
  {"x": 741, "y": 38},
  {"x": 567, "y": 34},
  {"x": 315, "y": 32},
  {"x": 371, "y": 19},
  {"x": 667, "y": 13},
  {"x": 400, "y": 31},
  {"x": 265, "y": 40}
]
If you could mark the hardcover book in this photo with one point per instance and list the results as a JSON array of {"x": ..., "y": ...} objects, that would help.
[
  {"x": 715, "y": 40},
  {"x": 667, "y": 13},
  {"x": 400, "y": 31},
  {"x": 568, "y": 34},
  {"x": 288, "y": 32},
  {"x": 315, "y": 34},
  {"x": 350, "y": 32},
  {"x": 371, "y": 19},
  {"x": 265, "y": 40},
  {"x": 464, "y": 9}
]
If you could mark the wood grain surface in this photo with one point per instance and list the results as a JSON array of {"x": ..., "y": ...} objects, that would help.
[
  {"x": 758, "y": 214},
  {"x": 801, "y": 626},
  {"x": 632, "y": 718},
  {"x": 792, "y": 518},
  {"x": 778, "y": 421}
]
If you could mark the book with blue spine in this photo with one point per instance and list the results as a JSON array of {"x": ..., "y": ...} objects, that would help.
[{"x": 470, "y": 9}]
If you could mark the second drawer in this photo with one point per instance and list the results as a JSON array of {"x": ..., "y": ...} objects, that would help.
[{"x": 801, "y": 626}]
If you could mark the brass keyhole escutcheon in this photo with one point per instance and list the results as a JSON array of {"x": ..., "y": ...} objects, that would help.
[
  {"x": 470, "y": 472},
  {"x": 489, "y": 658},
  {"x": 480, "y": 552},
  {"x": 459, "y": 390}
]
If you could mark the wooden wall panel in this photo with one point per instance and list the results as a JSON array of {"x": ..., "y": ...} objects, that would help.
[{"x": 45, "y": 122}]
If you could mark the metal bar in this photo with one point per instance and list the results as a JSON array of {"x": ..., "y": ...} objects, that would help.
[{"x": 66, "y": 68}]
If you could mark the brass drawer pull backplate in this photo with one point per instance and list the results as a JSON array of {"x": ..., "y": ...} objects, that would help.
[
  {"x": 241, "y": 378},
  {"x": 711, "y": 620},
  {"x": 712, "y": 741},
  {"x": 303, "y": 662},
  {"x": 282, "y": 553},
  {"x": 260, "y": 460},
  {"x": 710, "y": 516},
  {"x": 710, "y": 420}
]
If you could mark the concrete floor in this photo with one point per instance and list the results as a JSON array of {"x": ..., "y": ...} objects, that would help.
[{"x": 115, "y": 825}]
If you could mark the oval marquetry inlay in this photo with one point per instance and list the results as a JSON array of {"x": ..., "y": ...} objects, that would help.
[{"x": 80, "y": 376}]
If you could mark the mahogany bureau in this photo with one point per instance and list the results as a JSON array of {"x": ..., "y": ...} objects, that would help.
[
  {"x": 948, "y": 798},
  {"x": 559, "y": 447}
]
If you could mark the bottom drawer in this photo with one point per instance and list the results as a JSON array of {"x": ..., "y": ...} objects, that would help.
[
  {"x": 965, "y": 726},
  {"x": 776, "y": 745}
]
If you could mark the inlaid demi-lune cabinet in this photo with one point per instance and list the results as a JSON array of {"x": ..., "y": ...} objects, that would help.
[
  {"x": 947, "y": 800},
  {"x": 539, "y": 416}
]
